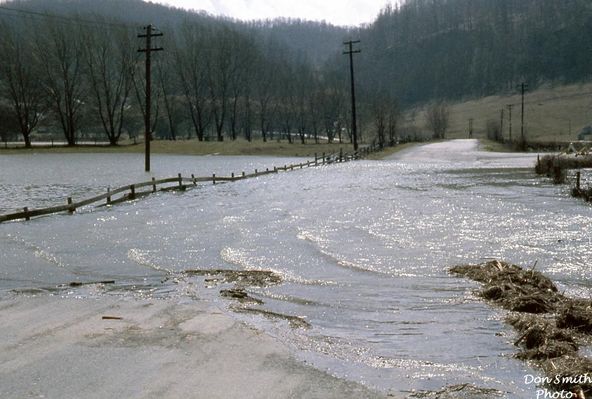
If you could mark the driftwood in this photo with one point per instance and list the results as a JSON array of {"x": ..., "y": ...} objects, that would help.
[{"x": 552, "y": 327}]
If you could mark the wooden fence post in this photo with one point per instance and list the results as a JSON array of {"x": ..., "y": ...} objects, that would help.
[
  {"x": 180, "y": 181},
  {"x": 108, "y": 196},
  {"x": 132, "y": 192},
  {"x": 153, "y": 185},
  {"x": 193, "y": 178},
  {"x": 214, "y": 178},
  {"x": 232, "y": 176},
  {"x": 70, "y": 208},
  {"x": 27, "y": 217},
  {"x": 340, "y": 154},
  {"x": 323, "y": 158}
]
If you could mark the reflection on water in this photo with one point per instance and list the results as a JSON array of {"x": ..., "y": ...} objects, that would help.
[
  {"x": 362, "y": 248},
  {"x": 38, "y": 180}
]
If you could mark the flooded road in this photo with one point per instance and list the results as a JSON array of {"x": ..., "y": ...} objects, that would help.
[{"x": 362, "y": 248}]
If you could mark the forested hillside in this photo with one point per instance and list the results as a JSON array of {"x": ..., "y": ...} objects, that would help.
[
  {"x": 448, "y": 49},
  {"x": 72, "y": 66}
]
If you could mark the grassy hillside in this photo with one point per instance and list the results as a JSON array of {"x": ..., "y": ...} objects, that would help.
[{"x": 551, "y": 114}]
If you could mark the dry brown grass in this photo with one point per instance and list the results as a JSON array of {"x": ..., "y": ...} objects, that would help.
[
  {"x": 549, "y": 112},
  {"x": 194, "y": 147}
]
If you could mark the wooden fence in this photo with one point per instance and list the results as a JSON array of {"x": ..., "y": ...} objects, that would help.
[{"x": 130, "y": 192}]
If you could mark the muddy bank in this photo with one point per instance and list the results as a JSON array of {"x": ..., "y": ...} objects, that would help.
[{"x": 551, "y": 326}]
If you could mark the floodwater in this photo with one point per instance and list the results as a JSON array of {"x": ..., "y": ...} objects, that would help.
[{"x": 363, "y": 249}]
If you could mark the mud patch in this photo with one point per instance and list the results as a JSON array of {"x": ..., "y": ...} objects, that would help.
[
  {"x": 552, "y": 327},
  {"x": 293, "y": 321}
]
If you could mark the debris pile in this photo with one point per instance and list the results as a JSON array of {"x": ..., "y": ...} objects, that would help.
[
  {"x": 547, "y": 163},
  {"x": 241, "y": 281},
  {"x": 552, "y": 327},
  {"x": 242, "y": 278}
]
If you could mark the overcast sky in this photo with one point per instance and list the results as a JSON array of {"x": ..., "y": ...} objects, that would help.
[{"x": 338, "y": 12}]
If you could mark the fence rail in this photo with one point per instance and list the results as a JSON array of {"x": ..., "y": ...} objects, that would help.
[{"x": 131, "y": 192}]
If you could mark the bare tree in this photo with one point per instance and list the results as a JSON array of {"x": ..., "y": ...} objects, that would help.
[
  {"x": 21, "y": 83},
  {"x": 287, "y": 103},
  {"x": 110, "y": 61},
  {"x": 380, "y": 111},
  {"x": 438, "y": 119},
  {"x": 168, "y": 87},
  {"x": 222, "y": 65},
  {"x": 240, "y": 85},
  {"x": 393, "y": 122},
  {"x": 302, "y": 91},
  {"x": 315, "y": 105},
  {"x": 494, "y": 130},
  {"x": 8, "y": 123},
  {"x": 264, "y": 87},
  {"x": 333, "y": 104},
  {"x": 192, "y": 73},
  {"x": 61, "y": 53}
]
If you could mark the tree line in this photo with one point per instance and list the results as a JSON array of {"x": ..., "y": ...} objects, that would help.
[{"x": 212, "y": 82}]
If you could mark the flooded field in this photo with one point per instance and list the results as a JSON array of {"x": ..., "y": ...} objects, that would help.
[{"x": 360, "y": 250}]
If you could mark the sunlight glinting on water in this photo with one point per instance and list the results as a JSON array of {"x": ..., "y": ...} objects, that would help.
[{"x": 362, "y": 248}]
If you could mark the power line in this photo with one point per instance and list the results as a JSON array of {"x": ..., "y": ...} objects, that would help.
[{"x": 62, "y": 18}]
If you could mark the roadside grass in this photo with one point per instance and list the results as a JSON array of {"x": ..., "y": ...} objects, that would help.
[
  {"x": 552, "y": 113},
  {"x": 195, "y": 147}
]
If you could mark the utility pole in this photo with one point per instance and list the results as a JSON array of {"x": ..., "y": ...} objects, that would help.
[
  {"x": 523, "y": 88},
  {"x": 148, "y": 50},
  {"x": 351, "y": 53},
  {"x": 502, "y": 125},
  {"x": 510, "y": 106},
  {"x": 471, "y": 128}
]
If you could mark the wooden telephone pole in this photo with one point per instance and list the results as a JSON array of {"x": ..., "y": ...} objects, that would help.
[
  {"x": 351, "y": 53},
  {"x": 510, "y": 106},
  {"x": 523, "y": 87},
  {"x": 148, "y": 50}
]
